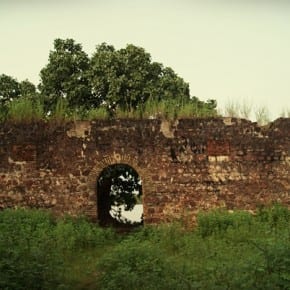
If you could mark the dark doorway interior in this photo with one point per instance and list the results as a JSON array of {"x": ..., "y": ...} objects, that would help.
[{"x": 119, "y": 196}]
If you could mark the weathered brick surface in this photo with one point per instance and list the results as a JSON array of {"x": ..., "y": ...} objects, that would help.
[{"x": 185, "y": 166}]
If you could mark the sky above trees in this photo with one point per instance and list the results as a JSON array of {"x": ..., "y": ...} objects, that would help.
[{"x": 228, "y": 50}]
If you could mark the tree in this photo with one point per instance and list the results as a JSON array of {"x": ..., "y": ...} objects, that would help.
[
  {"x": 27, "y": 89},
  {"x": 102, "y": 73},
  {"x": 65, "y": 75},
  {"x": 127, "y": 78},
  {"x": 171, "y": 86},
  {"x": 9, "y": 89}
]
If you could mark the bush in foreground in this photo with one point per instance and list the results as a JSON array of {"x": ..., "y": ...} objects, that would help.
[
  {"x": 225, "y": 251},
  {"x": 34, "y": 246}
]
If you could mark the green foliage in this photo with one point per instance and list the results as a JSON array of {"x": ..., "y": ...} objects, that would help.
[
  {"x": 196, "y": 108},
  {"x": 9, "y": 89},
  {"x": 77, "y": 233},
  {"x": 25, "y": 110},
  {"x": 28, "y": 258},
  {"x": 173, "y": 108},
  {"x": 27, "y": 89},
  {"x": 276, "y": 215},
  {"x": 226, "y": 251},
  {"x": 65, "y": 75},
  {"x": 219, "y": 221},
  {"x": 137, "y": 264},
  {"x": 19, "y": 101},
  {"x": 98, "y": 113},
  {"x": 127, "y": 78},
  {"x": 122, "y": 83},
  {"x": 61, "y": 111},
  {"x": 34, "y": 246},
  {"x": 3, "y": 114}
]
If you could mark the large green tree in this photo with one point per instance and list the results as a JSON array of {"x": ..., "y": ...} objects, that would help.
[
  {"x": 65, "y": 75},
  {"x": 9, "y": 89},
  {"x": 127, "y": 78}
]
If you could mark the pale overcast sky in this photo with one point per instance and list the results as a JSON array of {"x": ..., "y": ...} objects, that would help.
[{"x": 228, "y": 50}]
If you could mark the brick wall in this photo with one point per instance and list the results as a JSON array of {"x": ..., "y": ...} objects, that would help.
[{"x": 185, "y": 166}]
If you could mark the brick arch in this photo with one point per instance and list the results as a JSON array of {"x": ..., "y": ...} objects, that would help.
[{"x": 113, "y": 159}]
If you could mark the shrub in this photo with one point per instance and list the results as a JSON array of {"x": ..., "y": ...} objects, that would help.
[
  {"x": 138, "y": 265},
  {"x": 77, "y": 233},
  {"x": 226, "y": 251},
  {"x": 219, "y": 221},
  {"x": 29, "y": 259},
  {"x": 34, "y": 246}
]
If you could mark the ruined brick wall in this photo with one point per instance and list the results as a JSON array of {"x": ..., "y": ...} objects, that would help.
[{"x": 185, "y": 166}]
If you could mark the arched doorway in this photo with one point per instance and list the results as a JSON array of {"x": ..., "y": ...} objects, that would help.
[{"x": 119, "y": 196}]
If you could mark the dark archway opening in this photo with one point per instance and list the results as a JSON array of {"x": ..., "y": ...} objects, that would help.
[{"x": 119, "y": 196}]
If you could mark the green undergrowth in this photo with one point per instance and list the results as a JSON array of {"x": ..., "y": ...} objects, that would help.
[
  {"x": 35, "y": 248},
  {"x": 225, "y": 251}
]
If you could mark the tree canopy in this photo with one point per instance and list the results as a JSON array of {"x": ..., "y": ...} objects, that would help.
[
  {"x": 27, "y": 89},
  {"x": 127, "y": 78},
  {"x": 65, "y": 75},
  {"x": 9, "y": 89}
]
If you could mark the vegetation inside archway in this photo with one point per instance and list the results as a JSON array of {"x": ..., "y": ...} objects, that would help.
[
  {"x": 119, "y": 191},
  {"x": 111, "y": 83}
]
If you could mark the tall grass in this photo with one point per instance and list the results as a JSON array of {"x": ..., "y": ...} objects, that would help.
[
  {"x": 239, "y": 109},
  {"x": 96, "y": 113},
  {"x": 262, "y": 116},
  {"x": 173, "y": 109},
  {"x": 232, "y": 109},
  {"x": 61, "y": 110},
  {"x": 245, "y": 110},
  {"x": 25, "y": 110}
]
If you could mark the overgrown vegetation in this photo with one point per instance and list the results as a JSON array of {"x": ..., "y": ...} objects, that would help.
[
  {"x": 34, "y": 247},
  {"x": 226, "y": 251},
  {"x": 112, "y": 83}
]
